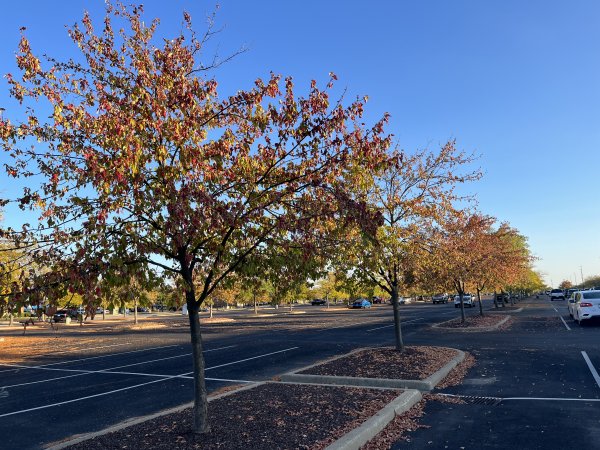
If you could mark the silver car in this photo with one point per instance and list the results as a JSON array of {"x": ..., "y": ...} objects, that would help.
[{"x": 467, "y": 301}]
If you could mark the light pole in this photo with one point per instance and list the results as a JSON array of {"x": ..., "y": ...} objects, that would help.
[{"x": 581, "y": 272}]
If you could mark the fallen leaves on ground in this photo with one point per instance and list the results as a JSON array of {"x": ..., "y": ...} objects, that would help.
[
  {"x": 269, "y": 416},
  {"x": 415, "y": 363},
  {"x": 474, "y": 322}
]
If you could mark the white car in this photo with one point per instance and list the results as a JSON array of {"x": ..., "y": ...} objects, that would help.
[
  {"x": 467, "y": 301},
  {"x": 557, "y": 294},
  {"x": 403, "y": 300},
  {"x": 584, "y": 305}
]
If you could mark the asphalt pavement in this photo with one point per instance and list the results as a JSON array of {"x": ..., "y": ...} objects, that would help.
[{"x": 541, "y": 390}]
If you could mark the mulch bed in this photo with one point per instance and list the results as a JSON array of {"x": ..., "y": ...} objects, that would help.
[
  {"x": 270, "y": 416},
  {"x": 474, "y": 322},
  {"x": 415, "y": 363}
]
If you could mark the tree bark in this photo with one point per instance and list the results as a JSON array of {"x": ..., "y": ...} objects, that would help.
[
  {"x": 479, "y": 300},
  {"x": 135, "y": 308},
  {"x": 255, "y": 304},
  {"x": 462, "y": 307},
  {"x": 200, "y": 411},
  {"x": 397, "y": 325}
]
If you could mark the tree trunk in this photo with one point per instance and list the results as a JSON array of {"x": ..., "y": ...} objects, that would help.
[
  {"x": 200, "y": 411},
  {"x": 255, "y": 304},
  {"x": 479, "y": 300},
  {"x": 496, "y": 300},
  {"x": 10, "y": 319},
  {"x": 327, "y": 300},
  {"x": 397, "y": 325},
  {"x": 135, "y": 308},
  {"x": 462, "y": 307},
  {"x": 210, "y": 309}
]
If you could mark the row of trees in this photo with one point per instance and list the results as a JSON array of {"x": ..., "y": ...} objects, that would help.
[{"x": 145, "y": 170}]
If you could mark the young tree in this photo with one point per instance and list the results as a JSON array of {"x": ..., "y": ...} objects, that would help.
[
  {"x": 413, "y": 190},
  {"x": 142, "y": 157},
  {"x": 461, "y": 251}
]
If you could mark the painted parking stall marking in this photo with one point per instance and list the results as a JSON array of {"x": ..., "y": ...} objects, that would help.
[
  {"x": 160, "y": 379},
  {"x": 591, "y": 367}
]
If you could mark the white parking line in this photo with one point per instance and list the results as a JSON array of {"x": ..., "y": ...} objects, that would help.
[
  {"x": 563, "y": 321},
  {"x": 247, "y": 359},
  {"x": 554, "y": 399},
  {"x": 80, "y": 372},
  {"x": 166, "y": 377},
  {"x": 91, "y": 357},
  {"x": 555, "y": 309},
  {"x": 86, "y": 397},
  {"x": 401, "y": 323},
  {"x": 591, "y": 367}
]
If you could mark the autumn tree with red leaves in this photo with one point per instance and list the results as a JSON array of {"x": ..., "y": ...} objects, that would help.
[{"x": 143, "y": 162}]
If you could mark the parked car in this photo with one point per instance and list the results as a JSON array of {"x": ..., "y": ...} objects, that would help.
[
  {"x": 557, "y": 294},
  {"x": 570, "y": 292},
  {"x": 318, "y": 301},
  {"x": 377, "y": 300},
  {"x": 361, "y": 304},
  {"x": 62, "y": 314},
  {"x": 403, "y": 300},
  {"x": 440, "y": 298},
  {"x": 502, "y": 297},
  {"x": 584, "y": 305},
  {"x": 467, "y": 301}
]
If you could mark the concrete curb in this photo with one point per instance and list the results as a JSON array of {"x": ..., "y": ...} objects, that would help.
[
  {"x": 439, "y": 326},
  {"x": 500, "y": 310},
  {"x": 428, "y": 384},
  {"x": 136, "y": 420},
  {"x": 370, "y": 428}
]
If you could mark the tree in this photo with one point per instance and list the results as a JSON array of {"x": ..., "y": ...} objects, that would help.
[
  {"x": 143, "y": 162},
  {"x": 503, "y": 254},
  {"x": 409, "y": 192},
  {"x": 460, "y": 253},
  {"x": 565, "y": 284}
]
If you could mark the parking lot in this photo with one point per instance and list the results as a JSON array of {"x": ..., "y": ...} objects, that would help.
[{"x": 537, "y": 376}]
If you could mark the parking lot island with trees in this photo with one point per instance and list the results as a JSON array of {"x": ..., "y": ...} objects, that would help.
[{"x": 175, "y": 223}]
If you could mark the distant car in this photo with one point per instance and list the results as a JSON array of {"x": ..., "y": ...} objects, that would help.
[
  {"x": 502, "y": 297},
  {"x": 585, "y": 305},
  {"x": 377, "y": 300},
  {"x": 318, "y": 301},
  {"x": 361, "y": 304},
  {"x": 440, "y": 298},
  {"x": 62, "y": 314},
  {"x": 571, "y": 292},
  {"x": 467, "y": 301},
  {"x": 557, "y": 294},
  {"x": 403, "y": 300}
]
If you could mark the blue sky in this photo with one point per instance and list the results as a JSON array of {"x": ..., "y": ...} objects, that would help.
[{"x": 515, "y": 82}]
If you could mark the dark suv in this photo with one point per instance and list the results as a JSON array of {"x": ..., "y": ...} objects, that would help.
[
  {"x": 502, "y": 297},
  {"x": 62, "y": 314}
]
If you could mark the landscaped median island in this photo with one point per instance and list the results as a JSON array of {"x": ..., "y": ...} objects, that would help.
[
  {"x": 476, "y": 323},
  {"x": 414, "y": 368},
  {"x": 305, "y": 414},
  {"x": 266, "y": 416}
]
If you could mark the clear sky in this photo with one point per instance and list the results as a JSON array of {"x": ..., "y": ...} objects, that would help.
[{"x": 517, "y": 82}]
